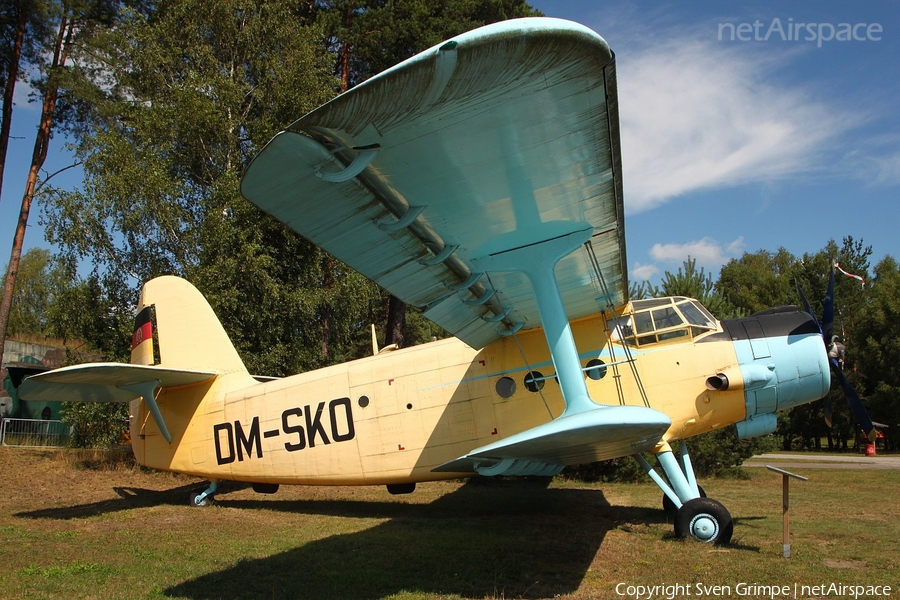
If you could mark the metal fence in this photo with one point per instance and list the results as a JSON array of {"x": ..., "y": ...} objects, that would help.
[{"x": 34, "y": 433}]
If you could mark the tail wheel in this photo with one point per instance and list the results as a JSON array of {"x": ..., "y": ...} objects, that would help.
[
  {"x": 704, "y": 520},
  {"x": 196, "y": 499},
  {"x": 669, "y": 506}
]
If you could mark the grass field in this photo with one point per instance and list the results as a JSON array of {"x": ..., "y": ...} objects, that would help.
[{"x": 68, "y": 530}]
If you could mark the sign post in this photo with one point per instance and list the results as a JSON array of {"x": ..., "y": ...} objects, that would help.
[{"x": 785, "y": 506}]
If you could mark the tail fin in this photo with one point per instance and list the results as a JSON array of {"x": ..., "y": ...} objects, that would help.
[
  {"x": 188, "y": 332},
  {"x": 193, "y": 348}
]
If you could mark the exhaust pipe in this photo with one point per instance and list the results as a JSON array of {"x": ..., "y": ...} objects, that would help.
[{"x": 747, "y": 376}]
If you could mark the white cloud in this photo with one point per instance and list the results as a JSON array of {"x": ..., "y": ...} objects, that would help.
[
  {"x": 735, "y": 247},
  {"x": 644, "y": 272},
  {"x": 699, "y": 114},
  {"x": 707, "y": 252},
  {"x": 885, "y": 169}
]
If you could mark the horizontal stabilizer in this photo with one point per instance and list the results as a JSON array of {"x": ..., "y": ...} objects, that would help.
[
  {"x": 110, "y": 382},
  {"x": 597, "y": 434},
  {"x": 103, "y": 382}
]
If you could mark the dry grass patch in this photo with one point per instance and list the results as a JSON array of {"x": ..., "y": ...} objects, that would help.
[{"x": 85, "y": 527}]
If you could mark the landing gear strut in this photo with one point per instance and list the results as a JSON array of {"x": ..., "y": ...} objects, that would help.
[
  {"x": 204, "y": 498},
  {"x": 670, "y": 507},
  {"x": 696, "y": 516}
]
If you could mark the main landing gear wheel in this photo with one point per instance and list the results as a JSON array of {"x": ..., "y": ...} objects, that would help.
[
  {"x": 197, "y": 499},
  {"x": 669, "y": 506},
  {"x": 704, "y": 520}
]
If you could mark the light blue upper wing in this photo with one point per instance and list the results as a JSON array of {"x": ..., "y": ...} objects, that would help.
[{"x": 499, "y": 138}]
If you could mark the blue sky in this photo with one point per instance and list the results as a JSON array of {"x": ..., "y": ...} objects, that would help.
[
  {"x": 729, "y": 145},
  {"x": 732, "y": 146}
]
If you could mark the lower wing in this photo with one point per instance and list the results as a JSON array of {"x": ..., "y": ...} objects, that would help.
[{"x": 597, "y": 434}]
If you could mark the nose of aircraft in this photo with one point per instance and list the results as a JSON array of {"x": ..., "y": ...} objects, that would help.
[{"x": 782, "y": 360}]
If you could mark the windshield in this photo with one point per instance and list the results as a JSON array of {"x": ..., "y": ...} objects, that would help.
[
  {"x": 663, "y": 319},
  {"x": 694, "y": 312}
]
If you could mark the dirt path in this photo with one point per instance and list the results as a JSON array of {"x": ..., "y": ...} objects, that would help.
[{"x": 820, "y": 461}]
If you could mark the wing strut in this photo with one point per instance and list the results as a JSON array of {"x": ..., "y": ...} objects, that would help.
[
  {"x": 147, "y": 391},
  {"x": 606, "y": 304},
  {"x": 537, "y": 262}
]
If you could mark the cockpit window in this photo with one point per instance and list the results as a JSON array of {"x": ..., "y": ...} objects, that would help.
[
  {"x": 695, "y": 316},
  {"x": 650, "y": 303},
  {"x": 666, "y": 317},
  {"x": 712, "y": 320},
  {"x": 661, "y": 319},
  {"x": 643, "y": 323}
]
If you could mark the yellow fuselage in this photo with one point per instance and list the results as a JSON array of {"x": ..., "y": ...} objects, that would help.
[{"x": 393, "y": 417}]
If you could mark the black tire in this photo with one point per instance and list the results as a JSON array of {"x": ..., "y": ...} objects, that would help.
[
  {"x": 669, "y": 506},
  {"x": 704, "y": 520},
  {"x": 204, "y": 502}
]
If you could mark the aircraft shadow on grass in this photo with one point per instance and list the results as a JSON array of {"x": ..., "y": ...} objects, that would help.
[
  {"x": 128, "y": 498},
  {"x": 505, "y": 541}
]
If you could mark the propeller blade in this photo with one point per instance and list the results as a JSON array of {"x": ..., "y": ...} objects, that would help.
[
  {"x": 856, "y": 405},
  {"x": 829, "y": 413},
  {"x": 808, "y": 308},
  {"x": 828, "y": 311}
]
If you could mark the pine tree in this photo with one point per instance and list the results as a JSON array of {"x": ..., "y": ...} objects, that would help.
[{"x": 73, "y": 22}]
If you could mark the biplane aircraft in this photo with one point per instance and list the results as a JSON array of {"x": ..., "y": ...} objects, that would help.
[{"x": 481, "y": 181}]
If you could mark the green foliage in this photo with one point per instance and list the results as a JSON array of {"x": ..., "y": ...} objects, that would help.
[
  {"x": 421, "y": 330},
  {"x": 39, "y": 283},
  {"x": 878, "y": 348},
  {"x": 764, "y": 279},
  {"x": 36, "y": 15},
  {"x": 642, "y": 290},
  {"x": 720, "y": 453},
  {"x": 625, "y": 470},
  {"x": 91, "y": 323},
  {"x": 690, "y": 282},
  {"x": 95, "y": 424},
  {"x": 369, "y": 36},
  {"x": 804, "y": 426},
  {"x": 758, "y": 281},
  {"x": 288, "y": 306},
  {"x": 169, "y": 101},
  {"x": 192, "y": 92}
]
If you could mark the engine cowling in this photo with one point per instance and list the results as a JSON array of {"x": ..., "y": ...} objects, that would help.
[{"x": 781, "y": 364}]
